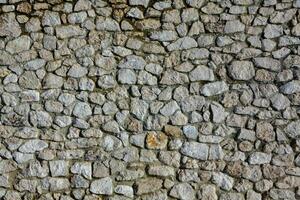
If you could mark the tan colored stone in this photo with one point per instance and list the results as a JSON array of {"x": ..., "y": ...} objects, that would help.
[{"x": 156, "y": 140}]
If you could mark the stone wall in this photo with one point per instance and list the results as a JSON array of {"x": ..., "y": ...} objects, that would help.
[{"x": 149, "y": 100}]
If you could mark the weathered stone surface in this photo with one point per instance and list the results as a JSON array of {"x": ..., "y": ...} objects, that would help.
[
  {"x": 32, "y": 146},
  {"x": 202, "y": 73},
  {"x": 9, "y": 26},
  {"x": 133, "y": 62},
  {"x": 140, "y": 99},
  {"x": 52, "y": 81},
  {"x": 102, "y": 186},
  {"x": 258, "y": 158},
  {"x": 215, "y": 88},
  {"x": 267, "y": 63},
  {"x": 19, "y": 44},
  {"x": 148, "y": 185},
  {"x": 156, "y": 140},
  {"x": 222, "y": 180},
  {"x": 82, "y": 110},
  {"x": 182, "y": 44},
  {"x": 292, "y": 129},
  {"x": 195, "y": 150},
  {"x": 126, "y": 76},
  {"x": 183, "y": 191},
  {"x": 234, "y": 26},
  {"x": 241, "y": 70},
  {"x": 69, "y": 31}
]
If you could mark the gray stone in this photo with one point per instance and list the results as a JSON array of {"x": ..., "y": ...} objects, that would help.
[
  {"x": 164, "y": 36},
  {"x": 189, "y": 15},
  {"x": 280, "y": 17},
  {"x": 69, "y": 31},
  {"x": 279, "y": 101},
  {"x": 215, "y": 88},
  {"x": 35, "y": 64},
  {"x": 52, "y": 81},
  {"x": 133, "y": 62},
  {"x": 241, "y": 70},
  {"x": 222, "y": 180},
  {"x": 139, "y": 108},
  {"x": 234, "y": 26},
  {"x": 170, "y": 108},
  {"x": 82, "y": 5},
  {"x": 190, "y": 132},
  {"x": 29, "y": 80},
  {"x": 82, "y": 168},
  {"x": 183, "y": 191},
  {"x": 218, "y": 112},
  {"x": 195, "y": 3},
  {"x": 135, "y": 13},
  {"x": 293, "y": 129},
  {"x": 102, "y": 186},
  {"x": 82, "y": 110},
  {"x": 139, "y": 3},
  {"x": 32, "y": 146},
  {"x": 267, "y": 63},
  {"x": 147, "y": 185},
  {"x": 202, "y": 73},
  {"x": 51, "y": 19},
  {"x": 182, "y": 44},
  {"x": 124, "y": 190},
  {"x": 7, "y": 166},
  {"x": 195, "y": 150},
  {"x": 9, "y": 26},
  {"x": 273, "y": 31},
  {"x": 290, "y": 87},
  {"x": 40, "y": 118},
  {"x": 161, "y": 170},
  {"x": 59, "y": 168},
  {"x": 19, "y": 44},
  {"x": 145, "y": 78},
  {"x": 107, "y": 24},
  {"x": 258, "y": 158},
  {"x": 126, "y": 76},
  {"x": 77, "y": 71},
  {"x": 171, "y": 77}
]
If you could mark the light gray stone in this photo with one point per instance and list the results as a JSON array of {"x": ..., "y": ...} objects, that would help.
[
  {"x": 102, "y": 186},
  {"x": 202, "y": 73},
  {"x": 258, "y": 158},
  {"x": 241, "y": 70},
  {"x": 133, "y": 62},
  {"x": 82, "y": 110},
  {"x": 183, "y": 191},
  {"x": 195, "y": 150},
  {"x": 82, "y": 168},
  {"x": 234, "y": 26},
  {"x": 164, "y": 36},
  {"x": 51, "y": 19},
  {"x": 107, "y": 24},
  {"x": 126, "y": 76},
  {"x": 19, "y": 44},
  {"x": 35, "y": 64},
  {"x": 182, "y": 44},
  {"x": 222, "y": 180},
  {"x": 215, "y": 88},
  {"x": 32, "y": 146},
  {"x": 279, "y": 101},
  {"x": 59, "y": 168}
]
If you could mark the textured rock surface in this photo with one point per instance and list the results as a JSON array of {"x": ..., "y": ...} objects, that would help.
[{"x": 149, "y": 100}]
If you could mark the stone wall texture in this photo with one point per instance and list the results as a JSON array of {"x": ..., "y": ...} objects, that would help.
[{"x": 149, "y": 99}]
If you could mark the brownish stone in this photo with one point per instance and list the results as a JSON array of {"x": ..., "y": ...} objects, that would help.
[
  {"x": 156, "y": 140},
  {"x": 24, "y": 7}
]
